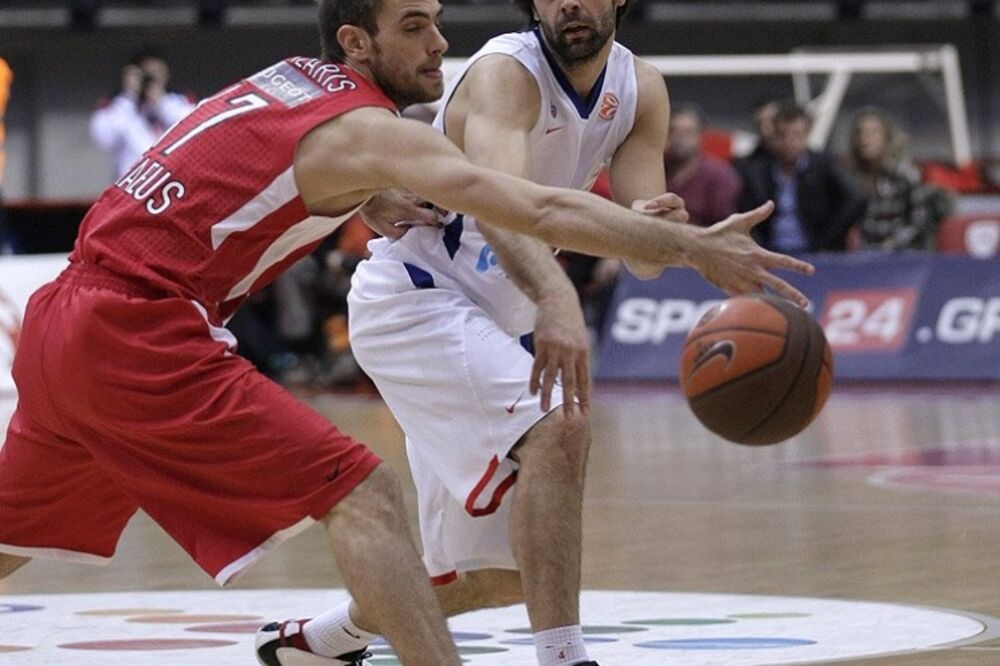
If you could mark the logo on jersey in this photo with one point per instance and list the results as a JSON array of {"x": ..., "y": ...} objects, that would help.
[
  {"x": 553, "y": 110},
  {"x": 609, "y": 106},
  {"x": 487, "y": 259}
]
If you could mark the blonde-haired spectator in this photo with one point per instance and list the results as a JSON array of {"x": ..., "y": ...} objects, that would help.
[{"x": 900, "y": 213}]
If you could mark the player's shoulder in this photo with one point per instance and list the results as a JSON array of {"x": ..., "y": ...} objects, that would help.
[
  {"x": 500, "y": 71},
  {"x": 647, "y": 75}
]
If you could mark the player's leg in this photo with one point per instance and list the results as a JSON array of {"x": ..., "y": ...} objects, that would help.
[
  {"x": 11, "y": 563},
  {"x": 479, "y": 589},
  {"x": 55, "y": 499},
  {"x": 372, "y": 545},
  {"x": 546, "y": 525}
]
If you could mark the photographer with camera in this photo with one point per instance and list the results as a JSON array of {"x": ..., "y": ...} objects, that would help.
[{"x": 134, "y": 119}]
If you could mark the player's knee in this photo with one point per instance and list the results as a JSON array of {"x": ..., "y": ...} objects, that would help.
[
  {"x": 376, "y": 501},
  {"x": 557, "y": 439},
  {"x": 11, "y": 563}
]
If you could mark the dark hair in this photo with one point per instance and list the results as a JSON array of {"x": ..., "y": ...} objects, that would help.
[
  {"x": 146, "y": 53},
  {"x": 789, "y": 111},
  {"x": 528, "y": 7},
  {"x": 335, "y": 13}
]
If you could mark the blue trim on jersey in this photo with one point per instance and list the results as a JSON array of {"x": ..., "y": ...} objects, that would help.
[
  {"x": 453, "y": 235},
  {"x": 528, "y": 342},
  {"x": 420, "y": 278},
  {"x": 583, "y": 107}
]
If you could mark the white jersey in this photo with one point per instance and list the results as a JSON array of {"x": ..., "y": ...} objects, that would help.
[{"x": 572, "y": 140}]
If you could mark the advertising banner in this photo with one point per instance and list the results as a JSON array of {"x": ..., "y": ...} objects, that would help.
[{"x": 891, "y": 317}]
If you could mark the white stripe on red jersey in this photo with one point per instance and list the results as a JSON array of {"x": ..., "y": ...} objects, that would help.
[{"x": 212, "y": 212}]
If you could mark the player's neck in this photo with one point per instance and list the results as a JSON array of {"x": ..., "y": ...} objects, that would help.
[
  {"x": 582, "y": 75},
  {"x": 363, "y": 70}
]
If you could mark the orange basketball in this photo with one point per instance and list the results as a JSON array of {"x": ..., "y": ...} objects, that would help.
[{"x": 756, "y": 369}]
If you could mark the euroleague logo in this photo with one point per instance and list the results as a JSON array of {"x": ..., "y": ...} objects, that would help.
[
  {"x": 609, "y": 106},
  {"x": 10, "y": 329}
]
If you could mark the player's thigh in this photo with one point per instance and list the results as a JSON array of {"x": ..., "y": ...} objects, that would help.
[{"x": 457, "y": 383}]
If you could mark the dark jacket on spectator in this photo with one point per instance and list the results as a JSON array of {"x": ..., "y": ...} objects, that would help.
[{"x": 829, "y": 200}]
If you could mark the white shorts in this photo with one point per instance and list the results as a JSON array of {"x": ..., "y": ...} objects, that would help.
[{"x": 458, "y": 386}]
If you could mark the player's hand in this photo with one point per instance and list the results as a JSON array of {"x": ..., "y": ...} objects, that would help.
[
  {"x": 668, "y": 206},
  {"x": 562, "y": 350},
  {"x": 730, "y": 259},
  {"x": 391, "y": 213}
]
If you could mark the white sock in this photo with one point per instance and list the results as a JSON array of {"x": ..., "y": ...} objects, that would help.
[
  {"x": 562, "y": 646},
  {"x": 333, "y": 633}
]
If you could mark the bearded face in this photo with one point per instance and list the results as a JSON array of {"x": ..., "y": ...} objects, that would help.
[{"x": 577, "y": 35}]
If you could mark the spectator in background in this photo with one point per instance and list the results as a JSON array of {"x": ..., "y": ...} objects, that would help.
[
  {"x": 764, "y": 110},
  {"x": 310, "y": 301},
  {"x": 900, "y": 214},
  {"x": 816, "y": 201},
  {"x": 143, "y": 109},
  {"x": 709, "y": 186},
  {"x": 6, "y": 78}
]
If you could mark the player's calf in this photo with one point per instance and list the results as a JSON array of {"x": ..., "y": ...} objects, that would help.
[
  {"x": 480, "y": 589},
  {"x": 11, "y": 563}
]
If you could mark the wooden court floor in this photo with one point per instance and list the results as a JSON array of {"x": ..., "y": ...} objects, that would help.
[{"x": 893, "y": 495}]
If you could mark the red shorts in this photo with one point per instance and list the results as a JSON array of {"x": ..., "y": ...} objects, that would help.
[{"x": 126, "y": 402}]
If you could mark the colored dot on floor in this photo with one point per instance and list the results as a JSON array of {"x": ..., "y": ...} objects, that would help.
[
  {"x": 460, "y": 636},
  {"x": 114, "y": 612},
  {"x": 191, "y": 619},
  {"x": 13, "y": 648},
  {"x": 590, "y": 630},
  {"x": 227, "y": 628},
  {"x": 725, "y": 643},
  {"x": 18, "y": 608},
  {"x": 144, "y": 644},
  {"x": 681, "y": 621},
  {"x": 531, "y": 641},
  {"x": 767, "y": 616},
  {"x": 462, "y": 650}
]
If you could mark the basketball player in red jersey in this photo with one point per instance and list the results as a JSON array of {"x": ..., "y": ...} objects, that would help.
[{"x": 130, "y": 395}]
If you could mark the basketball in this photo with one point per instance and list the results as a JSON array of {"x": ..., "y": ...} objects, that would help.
[{"x": 756, "y": 369}]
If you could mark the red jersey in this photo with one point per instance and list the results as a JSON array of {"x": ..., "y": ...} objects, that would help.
[{"x": 211, "y": 211}]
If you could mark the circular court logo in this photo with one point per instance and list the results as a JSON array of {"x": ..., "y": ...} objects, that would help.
[{"x": 635, "y": 628}]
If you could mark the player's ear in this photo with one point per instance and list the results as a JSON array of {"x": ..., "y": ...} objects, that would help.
[{"x": 355, "y": 42}]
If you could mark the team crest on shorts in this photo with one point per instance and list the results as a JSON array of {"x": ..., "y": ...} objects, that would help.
[{"x": 609, "y": 106}]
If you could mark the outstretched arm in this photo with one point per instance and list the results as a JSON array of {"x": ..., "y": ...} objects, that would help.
[{"x": 370, "y": 149}]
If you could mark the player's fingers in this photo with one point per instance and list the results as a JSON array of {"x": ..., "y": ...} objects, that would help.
[
  {"x": 583, "y": 383},
  {"x": 548, "y": 381},
  {"x": 775, "y": 260},
  {"x": 569, "y": 386},
  {"x": 427, "y": 217},
  {"x": 664, "y": 202},
  {"x": 536, "y": 371},
  {"x": 786, "y": 290},
  {"x": 752, "y": 218}
]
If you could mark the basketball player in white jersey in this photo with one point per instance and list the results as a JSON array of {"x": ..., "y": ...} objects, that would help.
[{"x": 441, "y": 320}]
